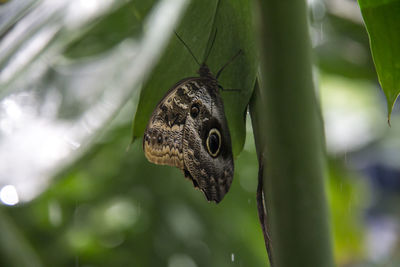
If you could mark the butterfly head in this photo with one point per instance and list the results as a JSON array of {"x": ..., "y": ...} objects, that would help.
[{"x": 204, "y": 71}]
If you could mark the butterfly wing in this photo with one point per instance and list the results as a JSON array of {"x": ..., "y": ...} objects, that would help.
[
  {"x": 207, "y": 148},
  {"x": 178, "y": 134},
  {"x": 163, "y": 137}
]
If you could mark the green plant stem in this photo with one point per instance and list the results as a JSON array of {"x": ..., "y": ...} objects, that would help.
[{"x": 289, "y": 138}]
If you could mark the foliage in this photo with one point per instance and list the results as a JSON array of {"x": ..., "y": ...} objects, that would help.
[
  {"x": 382, "y": 21},
  {"x": 109, "y": 206},
  {"x": 115, "y": 208}
]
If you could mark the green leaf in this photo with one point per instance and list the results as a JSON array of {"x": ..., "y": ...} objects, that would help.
[
  {"x": 382, "y": 19},
  {"x": 233, "y": 22}
]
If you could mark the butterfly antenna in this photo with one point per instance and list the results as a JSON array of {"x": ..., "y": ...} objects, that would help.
[
  {"x": 187, "y": 47},
  {"x": 212, "y": 44},
  {"x": 229, "y": 62}
]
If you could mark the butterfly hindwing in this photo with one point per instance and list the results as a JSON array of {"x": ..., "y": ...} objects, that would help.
[
  {"x": 211, "y": 172},
  {"x": 188, "y": 130}
]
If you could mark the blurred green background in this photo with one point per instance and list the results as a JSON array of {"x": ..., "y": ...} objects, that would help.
[{"x": 107, "y": 206}]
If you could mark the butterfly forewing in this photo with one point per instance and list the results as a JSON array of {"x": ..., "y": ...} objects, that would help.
[{"x": 162, "y": 142}]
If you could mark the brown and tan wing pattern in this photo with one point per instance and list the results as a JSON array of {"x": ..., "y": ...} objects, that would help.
[
  {"x": 188, "y": 129},
  {"x": 163, "y": 137}
]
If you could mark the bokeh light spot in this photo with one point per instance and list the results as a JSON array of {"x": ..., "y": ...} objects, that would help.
[
  {"x": 9, "y": 195},
  {"x": 181, "y": 260}
]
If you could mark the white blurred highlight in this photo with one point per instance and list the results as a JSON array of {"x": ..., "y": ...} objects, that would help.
[
  {"x": 9, "y": 195},
  {"x": 36, "y": 140}
]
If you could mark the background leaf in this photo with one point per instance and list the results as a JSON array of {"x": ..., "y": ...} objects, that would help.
[
  {"x": 234, "y": 32},
  {"x": 114, "y": 208},
  {"x": 382, "y": 19}
]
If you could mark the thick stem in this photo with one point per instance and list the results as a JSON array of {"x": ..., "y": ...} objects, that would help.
[{"x": 289, "y": 138}]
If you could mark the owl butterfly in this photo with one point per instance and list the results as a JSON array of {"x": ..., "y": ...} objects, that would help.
[{"x": 188, "y": 130}]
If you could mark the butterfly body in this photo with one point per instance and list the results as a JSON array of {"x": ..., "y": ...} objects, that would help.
[{"x": 188, "y": 130}]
